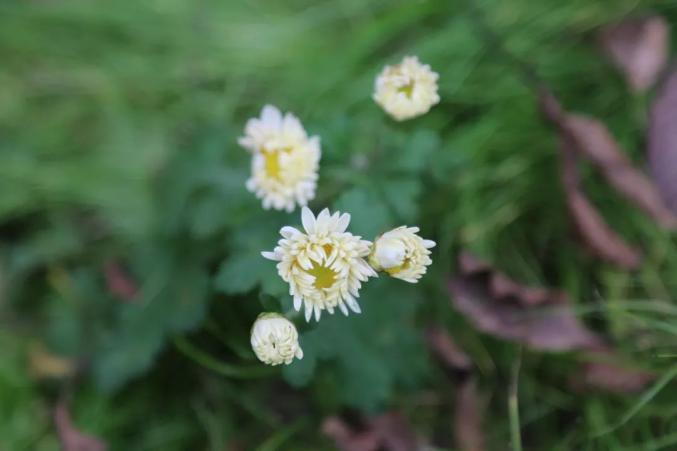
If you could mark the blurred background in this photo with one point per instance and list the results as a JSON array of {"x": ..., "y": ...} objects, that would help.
[{"x": 130, "y": 268}]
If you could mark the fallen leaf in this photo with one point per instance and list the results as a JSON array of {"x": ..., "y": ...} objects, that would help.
[
  {"x": 468, "y": 415},
  {"x": 608, "y": 374},
  {"x": 395, "y": 432},
  {"x": 598, "y": 237},
  {"x": 44, "y": 364},
  {"x": 592, "y": 139},
  {"x": 389, "y": 432},
  {"x": 346, "y": 439},
  {"x": 72, "y": 439},
  {"x": 581, "y": 136},
  {"x": 639, "y": 48},
  {"x": 662, "y": 141},
  {"x": 119, "y": 282},
  {"x": 444, "y": 347},
  {"x": 551, "y": 325}
]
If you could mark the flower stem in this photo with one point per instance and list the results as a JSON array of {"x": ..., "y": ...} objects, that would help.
[
  {"x": 513, "y": 405},
  {"x": 202, "y": 358}
]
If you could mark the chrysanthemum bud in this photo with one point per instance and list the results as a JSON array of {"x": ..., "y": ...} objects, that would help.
[
  {"x": 275, "y": 340},
  {"x": 406, "y": 90},
  {"x": 402, "y": 254}
]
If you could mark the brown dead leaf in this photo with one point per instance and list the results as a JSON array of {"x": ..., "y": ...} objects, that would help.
[
  {"x": 468, "y": 415},
  {"x": 389, "y": 432},
  {"x": 592, "y": 139},
  {"x": 120, "y": 284},
  {"x": 639, "y": 48},
  {"x": 444, "y": 347},
  {"x": 598, "y": 237},
  {"x": 608, "y": 374},
  {"x": 581, "y": 136},
  {"x": 548, "y": 326},
  {"x": 70, "y": 437},
  {"x": 662, "y": 141}
]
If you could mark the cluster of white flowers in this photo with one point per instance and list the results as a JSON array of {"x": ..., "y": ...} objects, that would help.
[
  {"x": 325, "y": 267},
  {"x": 324, "y": 264}
]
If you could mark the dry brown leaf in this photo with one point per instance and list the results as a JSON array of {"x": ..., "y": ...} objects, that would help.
[
  {"x": 590, "y": 138},
  {"x": 389, "y": 432},
  {"x": 549, "y": 326},
  {"x": 609, "y": 375},
  {"x": 598, "y": 237},
  {"x": 444, "y": 347},
  {"x": 639, "y": 48},
  {"x": 586, "y": 137},
  {"x": 468, "y": 415},
  {"x": 120, "y": 284},
  {"x": 70, "y": 437},
  {"x": 662, "y": 141}
]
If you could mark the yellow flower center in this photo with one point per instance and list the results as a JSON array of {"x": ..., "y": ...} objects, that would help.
[
  {"x": 405, "y": 264},
  {"x": 324, "y": 277},
  {"x": 272, "y": 161},
  {"x": 407, "y": 89},
  {"x": 272, "y": 165}
]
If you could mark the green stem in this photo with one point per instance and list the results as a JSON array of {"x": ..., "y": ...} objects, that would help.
[
  {"x": 202, "y": 358},
  {"x": 513, "y": 405}
]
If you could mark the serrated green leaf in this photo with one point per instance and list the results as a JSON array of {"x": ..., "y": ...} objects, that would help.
[
  {"x": 372, "y": 352},
  {"x": 241, "y": 273},
  {"x": 173, "y": 302}
]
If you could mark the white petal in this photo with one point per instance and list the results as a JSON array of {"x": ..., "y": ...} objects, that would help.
[
  {"x": 271, "y": 116},
  {"x": 318, "y": 312},
  {"x": 289, "y": 232},
  {"x": 428, "y": 244},
  {"x": 343, "y": 308},
  {"x": 297, "y": 303},
  {"x": 352, "y": 303},
  {"x": 270, "y": 255},
  {"x": 308, "y": 220},
  {"x": 304, "y": 262},
  {"x": 343, "y": 222},
  {"x": 309, "y": 311}
]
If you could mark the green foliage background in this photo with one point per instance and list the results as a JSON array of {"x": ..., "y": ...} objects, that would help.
[{"x": 118, "y": 129}]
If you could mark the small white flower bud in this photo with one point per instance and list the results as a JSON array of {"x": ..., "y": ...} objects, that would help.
[
  {"x": 402, "y": 254},
  {"x": 275, "y": 340}
]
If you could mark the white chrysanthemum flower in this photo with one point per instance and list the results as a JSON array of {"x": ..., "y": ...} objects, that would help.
[
  {"x": 406, "y": 90},
  {"x": 275, "y": 340},
  {"x": 285, "y": 160},
  {"x": 402, "y": 254},
  {"x": 325, "y": 266}
]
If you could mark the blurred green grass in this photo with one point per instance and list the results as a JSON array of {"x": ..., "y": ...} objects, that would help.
[{"x": 118, "y": 128}]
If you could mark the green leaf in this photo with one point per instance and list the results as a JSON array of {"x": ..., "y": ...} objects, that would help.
[
  {"x": 401, "y": 195},
  {"x": 370, "y": 353},
  {"x": 241, "y": 273},
  {"x": 300, "y": 372},
  {"x": 369, "y": 216},
  {"x": 416, "y": 153},
  {"x": 173, "y": 301}
]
